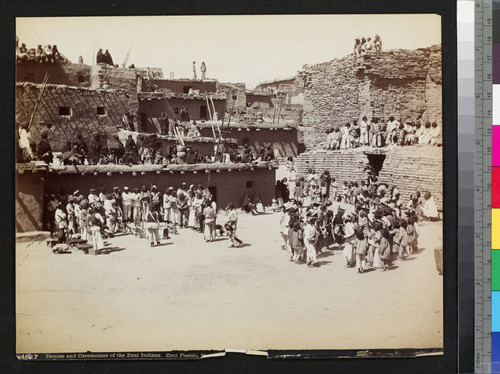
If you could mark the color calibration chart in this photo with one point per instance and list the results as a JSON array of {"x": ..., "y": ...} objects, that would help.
[
  {"x": 486, "y": 109},
  {"x": 492, "y": 201}
]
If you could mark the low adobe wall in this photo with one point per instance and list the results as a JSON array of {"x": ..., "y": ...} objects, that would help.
[
  {"x": 228, "y": 186},
  {"x": 411, "y": 169}
]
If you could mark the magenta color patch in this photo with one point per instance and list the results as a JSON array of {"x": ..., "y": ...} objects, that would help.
[{"x": 496, "y": 146}]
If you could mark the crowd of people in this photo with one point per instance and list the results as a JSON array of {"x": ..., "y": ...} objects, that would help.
[
  {"x": 40, "y": 54},
  {"x": 362, "y": 45},
  {"x": 144, "y": 212},
  {"x": 367, "y": 220},
  {"x": 147, "y": 149},
  {"x": 374, "y": 134}
]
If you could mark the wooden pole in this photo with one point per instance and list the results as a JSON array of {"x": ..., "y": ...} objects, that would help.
[
  {"x": 45, "y": 79},
  {"x": 209, "y": 110},
  {"x": 220, "y": 135}
]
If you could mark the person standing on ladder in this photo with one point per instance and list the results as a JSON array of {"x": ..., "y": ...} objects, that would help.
[
  {"x": 194, "y": 70},
  {"x": 203, "y": 70}
]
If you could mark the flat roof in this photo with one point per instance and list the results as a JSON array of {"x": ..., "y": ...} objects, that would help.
[
  {"x": 251, "y": 125},
  {"x": 185, "y": 80},
  {"x": 212, "y": 167}
]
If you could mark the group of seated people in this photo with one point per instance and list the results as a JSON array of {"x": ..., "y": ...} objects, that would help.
[
  {"x": 148, "y": 151},
  {"x": 49, "y": 53},
  {"x": 375, "y": 134}
]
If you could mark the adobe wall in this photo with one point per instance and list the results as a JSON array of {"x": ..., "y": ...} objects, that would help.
[
  {"x": 193, "y": 107},
  {"x": 83, "y": 103},
  {"x": 284, "y": 142},
  {"x": 105, "y": 76},
  {"x": 65, "y": 73},
  {"x": 231, "y": 90},
  {"x": 408, "y": 168},
  {"x": 231, "y": 186},
  {"x": 177, "y": 86},
  {"x": 152, "y": 110},
  {"x": 259, "y": 101},
  {"x": 29, "y": 201},
  {"x": 273, "y": 86},
  {"x": 402, "y": 83}
]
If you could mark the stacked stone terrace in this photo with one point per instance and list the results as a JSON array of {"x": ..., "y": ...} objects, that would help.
[
  {"x": 402, "y": 83},
  {"x": 411, "y": 169}
]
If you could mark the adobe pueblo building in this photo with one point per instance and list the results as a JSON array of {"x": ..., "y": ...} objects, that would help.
[
  {"x": 405, "y": 84},
  {"x": 290, "y": 115},
  {"x": 64, "y": 100}
]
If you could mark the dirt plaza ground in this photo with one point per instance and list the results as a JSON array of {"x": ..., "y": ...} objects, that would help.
[{"x": 187, "y": 295}]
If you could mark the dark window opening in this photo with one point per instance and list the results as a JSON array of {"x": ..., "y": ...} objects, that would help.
[
  {"x": 64, "y": 111},
  {"x": 203, "y": 112},
  {"x": 250, "y": 184},
  {"x": 101, "y": 111},
  {"x": 176, "y": 110},
  {"x": 186, "y": 89},
  {"x": 81, "y": 78},
  {"x": 235, "y": 97}
]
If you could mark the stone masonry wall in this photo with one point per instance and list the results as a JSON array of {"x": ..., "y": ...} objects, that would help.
[
  {"x": 83, "y": 119},
  {"x": 403, "y": 83},
  {"x": 408, "y": 168},
  {"x": 331, "y": 97}
]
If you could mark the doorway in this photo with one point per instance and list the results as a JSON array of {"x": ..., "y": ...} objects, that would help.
[
  {"x": 203, "y": 112},
  {"x": 213, "y": 192},
  {"x": 376, "y": 161}
]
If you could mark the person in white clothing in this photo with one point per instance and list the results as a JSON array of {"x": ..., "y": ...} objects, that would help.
[
  {"x": 392, "y": 126},
  {"x": 127, "y": 204},
  {"x": 310, "y": 238},
  {"x": 96, "y": 224},
  {"x": 61, "y": 222},
  {"x": 93, "y": 198},
  {"x": 25, "y": 142}
]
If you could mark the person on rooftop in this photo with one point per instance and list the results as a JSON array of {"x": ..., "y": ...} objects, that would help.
[
  {"x": 193, "y": 131},
  {"x": 48, "y": 53},
  {"x": 100, "y": 56},
  {"x": 107, "y": 58},
  {"x": 40, "y": 54},
  {"x": 357, "y": 44},
  {"x": 203, "y": 70},
  {"x": 377, "y": 43}
]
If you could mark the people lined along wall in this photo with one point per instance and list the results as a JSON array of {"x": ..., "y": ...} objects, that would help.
[
  {"x": 49, "y": 53},
  {"x": 367, "y": 45},
  {"x": 376, "y": 135},
  {"x": 368, "y": 221},
  {"x": 146, "y": 150},
  {"x": 145, "y": 212}
]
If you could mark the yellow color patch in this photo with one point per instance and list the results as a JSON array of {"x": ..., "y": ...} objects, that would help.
[{"x": 495, "y": 229}]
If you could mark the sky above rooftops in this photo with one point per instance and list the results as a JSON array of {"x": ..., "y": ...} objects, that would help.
[{"x": 248, "y": 49}]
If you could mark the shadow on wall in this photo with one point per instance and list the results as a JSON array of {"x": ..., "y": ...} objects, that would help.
[
  {"x": 24, "y": 226},
  {"x": 281, "y": 150}
]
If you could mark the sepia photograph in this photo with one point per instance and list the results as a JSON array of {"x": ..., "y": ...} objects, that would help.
[{"x": 204, "y": 183}]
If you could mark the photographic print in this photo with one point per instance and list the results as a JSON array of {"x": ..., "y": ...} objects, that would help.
[{"x": 201, "y": 183}]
